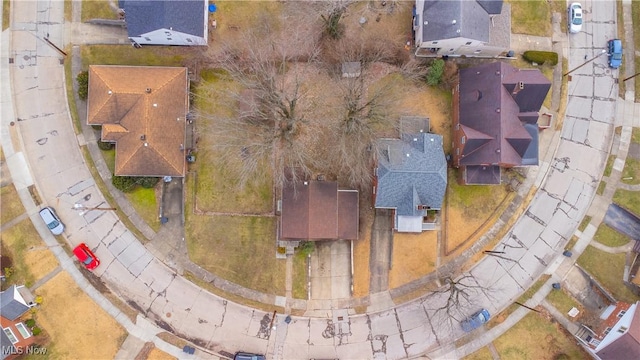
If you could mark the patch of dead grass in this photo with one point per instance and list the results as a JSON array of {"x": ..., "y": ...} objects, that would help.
[
  {"x": 31, "y": 257},
  {"x": 10, "y": 204},
  {"x": 81, "y": 331},
  {"x": 414, "y": 256},
  {"x": 157, "y": 354}
]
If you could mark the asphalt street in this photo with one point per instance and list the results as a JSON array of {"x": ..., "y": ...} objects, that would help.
[{"x": 43, "y": 150}]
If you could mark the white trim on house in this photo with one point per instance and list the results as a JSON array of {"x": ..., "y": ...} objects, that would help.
[
  {"x": 12, "y": 337},
  {"x": 24, "y": 332},
  {"x": 619, "y": 329},
  {"x": 168, "y": 37}
]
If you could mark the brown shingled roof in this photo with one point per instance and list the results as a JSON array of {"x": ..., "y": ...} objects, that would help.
[
  {"x": 143, "y": 110},
  {"x": 317, "y": 210}
]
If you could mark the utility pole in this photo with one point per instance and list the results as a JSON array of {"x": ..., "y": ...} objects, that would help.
[{"x": 585, "y": 63}]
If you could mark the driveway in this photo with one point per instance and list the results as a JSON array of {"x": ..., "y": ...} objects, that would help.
[
  {"x": 381, "y": 251},
  {"x": 623, "y": 221}
]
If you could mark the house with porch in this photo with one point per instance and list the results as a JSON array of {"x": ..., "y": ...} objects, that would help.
[
  {"x": 617, "y": 335},
  {"x": 410, "y": 179},
  {"x": 15, "y": 336},
  {"x": 495, "y": 113},
  {"x": 471, "y": 28},
  {"x": 166, "y": 22},
  {"x": 143, "y": 110}
]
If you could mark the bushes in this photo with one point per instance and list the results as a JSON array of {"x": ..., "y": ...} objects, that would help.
[
  {"x": 434, "y": 75},
  {"x": 105, "y": 145},
  {"x": 541, "y": 57},
  {"x": 129, "y": 183},
  {"x": 83, "y": 85},
  {"x": 147, "y": 182},
  {"x": 124, "y": 183}
]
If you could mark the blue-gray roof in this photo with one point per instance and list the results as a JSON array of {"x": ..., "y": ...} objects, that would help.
[
  {"x": 411, "y": 171},
  {"x": 448, "y": 19},
  {"x": 11, "y": 308},
  {"x": 143, "y": 16},
  {"x": 6, "y": 346}
]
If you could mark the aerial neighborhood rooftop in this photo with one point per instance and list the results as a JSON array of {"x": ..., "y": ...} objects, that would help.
[{"x": 255, "y": 180}]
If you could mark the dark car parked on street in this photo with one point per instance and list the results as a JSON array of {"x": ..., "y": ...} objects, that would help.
[{"x": 475, "y": 321}]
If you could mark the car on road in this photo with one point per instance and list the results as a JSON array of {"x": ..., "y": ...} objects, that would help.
[
  {"x": 475, "y": 321},
  {"x": 614, "y": 47},
  {"x": 52, "y": 220},
  {"x": 575, "y": 18},
  {"x": 86, "y": 256},
  {"x": 247, "y": 356}
]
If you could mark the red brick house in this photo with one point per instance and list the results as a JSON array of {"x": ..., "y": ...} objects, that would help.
[
  {"x": 495, "y": 114},
  {"x": 15, "y": 336}
]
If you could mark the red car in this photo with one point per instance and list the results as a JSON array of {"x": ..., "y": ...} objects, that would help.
[{"x": 86, "y": 256}]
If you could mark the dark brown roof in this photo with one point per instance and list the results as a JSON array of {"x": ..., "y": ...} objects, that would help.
[
  {"x": 626, "y": 346},
  {"x": 493, "y": 97},
  {"x": 317, "y": 210},
  {"x": 143, "y": 110}
]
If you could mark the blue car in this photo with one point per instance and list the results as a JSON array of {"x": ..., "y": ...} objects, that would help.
[
  {"x": 475, "y": 321},
  {"x": 614, "y": 48}
]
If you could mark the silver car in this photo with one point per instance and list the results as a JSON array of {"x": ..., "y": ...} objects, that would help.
[
  {"x": 575, "y": 18},
  {"x": 52, "y": 220}
]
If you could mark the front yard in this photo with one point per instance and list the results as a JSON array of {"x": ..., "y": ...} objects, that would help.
[{"x": 608, "y": 269}]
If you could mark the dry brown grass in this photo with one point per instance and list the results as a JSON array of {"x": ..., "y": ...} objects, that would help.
[
  {"x": 361, "y": 251},
  {"x": 10, "y": 205},
  {"x": 76, "y": 325},
  {"x": 414, "y": 256},
  {"x": 30, "y": 255},
  {"x": 157, "y": 354}
]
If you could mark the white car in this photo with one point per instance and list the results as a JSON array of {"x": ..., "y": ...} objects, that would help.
[
  {"x": 52, "y": 220},
  {"x": 575, "y": 18}
]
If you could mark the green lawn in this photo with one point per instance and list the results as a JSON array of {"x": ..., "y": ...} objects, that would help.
[
  {"x": 128, "y": 55},
  {"x": 610, "y": 237},
  {"x": 240, "y": 249},
  {"x": 97, "y": 9},
  {"x": 609, "y": 166},
  {"x": 532, "y": 17},
  {"x": 535, "y": 337},
  {"x": 475, "y": 199},
  {"x": 601, "y": 187},
  {"x": 629, "y": 200},
  {"x": 572, "y": 242},
  {"x": 635, "y": 134},
  {"x": 608, "y": 269},
  {"x": 299, "y": 290},
  {"x": 10, "y": 204},
  {"x": 562, "y": 301},
  {"x": 146, "y": 205},
  {"x": 585, "y": 221},
  {"x": 631, "y": 171},
  {"x": 6, "y": 12}
]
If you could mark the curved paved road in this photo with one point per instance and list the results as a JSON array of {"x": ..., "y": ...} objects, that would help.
[{"x": 43, "y": 142}]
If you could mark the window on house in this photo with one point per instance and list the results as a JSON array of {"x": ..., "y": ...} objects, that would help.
[
  {"x": 450, "y": 49},
  {"x": 622, "y": 329},
  {"x": 606, "y": 331},
  {"x": 468, "y": 43},
  {"x": 169, "y": 39},
  {"x": 434, "y": 42},
  {"x": 463, "y": 139},
  {"x": 189, "y": 40},
  {"x": 10, "y": 335},
  {"x": 167, "y": 33},
  {"x": 23, "y": 330},
  {"x": 148, "y": 39},
  {"x": 477, "y": 51},
  {"x": 458, "y": 126},
  {"x": 621, "y": 313},
  {"x": 458, "y": 151}
]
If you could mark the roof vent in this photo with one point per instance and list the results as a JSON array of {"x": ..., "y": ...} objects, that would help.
[
  {"x": 477, "y": 94},
  {"x": 415, "y": 139},
  {"x": 306, "y": 183},
  {"x": 497, "y": 72},
  {"x": 408, "y": 155},
  {"x": 426, "y": 22},
  {"x": 148, "y": 90},
  {"x": 143, "y": 137},
  {"x": 521, "y": 85},
  {"x": 453, "y": 22},
  {"x": 155, "y": 105},
  {"x": 146, "y": 144},
  {"x": 498, "y": 110},
  {"x": 497, "y": 150},
  {"x": 109, "y": 92},
  {"x": 458, "y": 31}
]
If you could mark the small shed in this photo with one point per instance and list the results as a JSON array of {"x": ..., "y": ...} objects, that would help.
[{"x": 351, "y": 69}]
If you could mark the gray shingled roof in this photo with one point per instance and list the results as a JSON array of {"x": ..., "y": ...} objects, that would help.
[
  {"x": 143, "y": 16},
  {"x": 6, "y": 346},
  {"x": 471, "y": 20},
  {"x": 11, "y": 308},
  {"x": 411, "y": 171}
]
